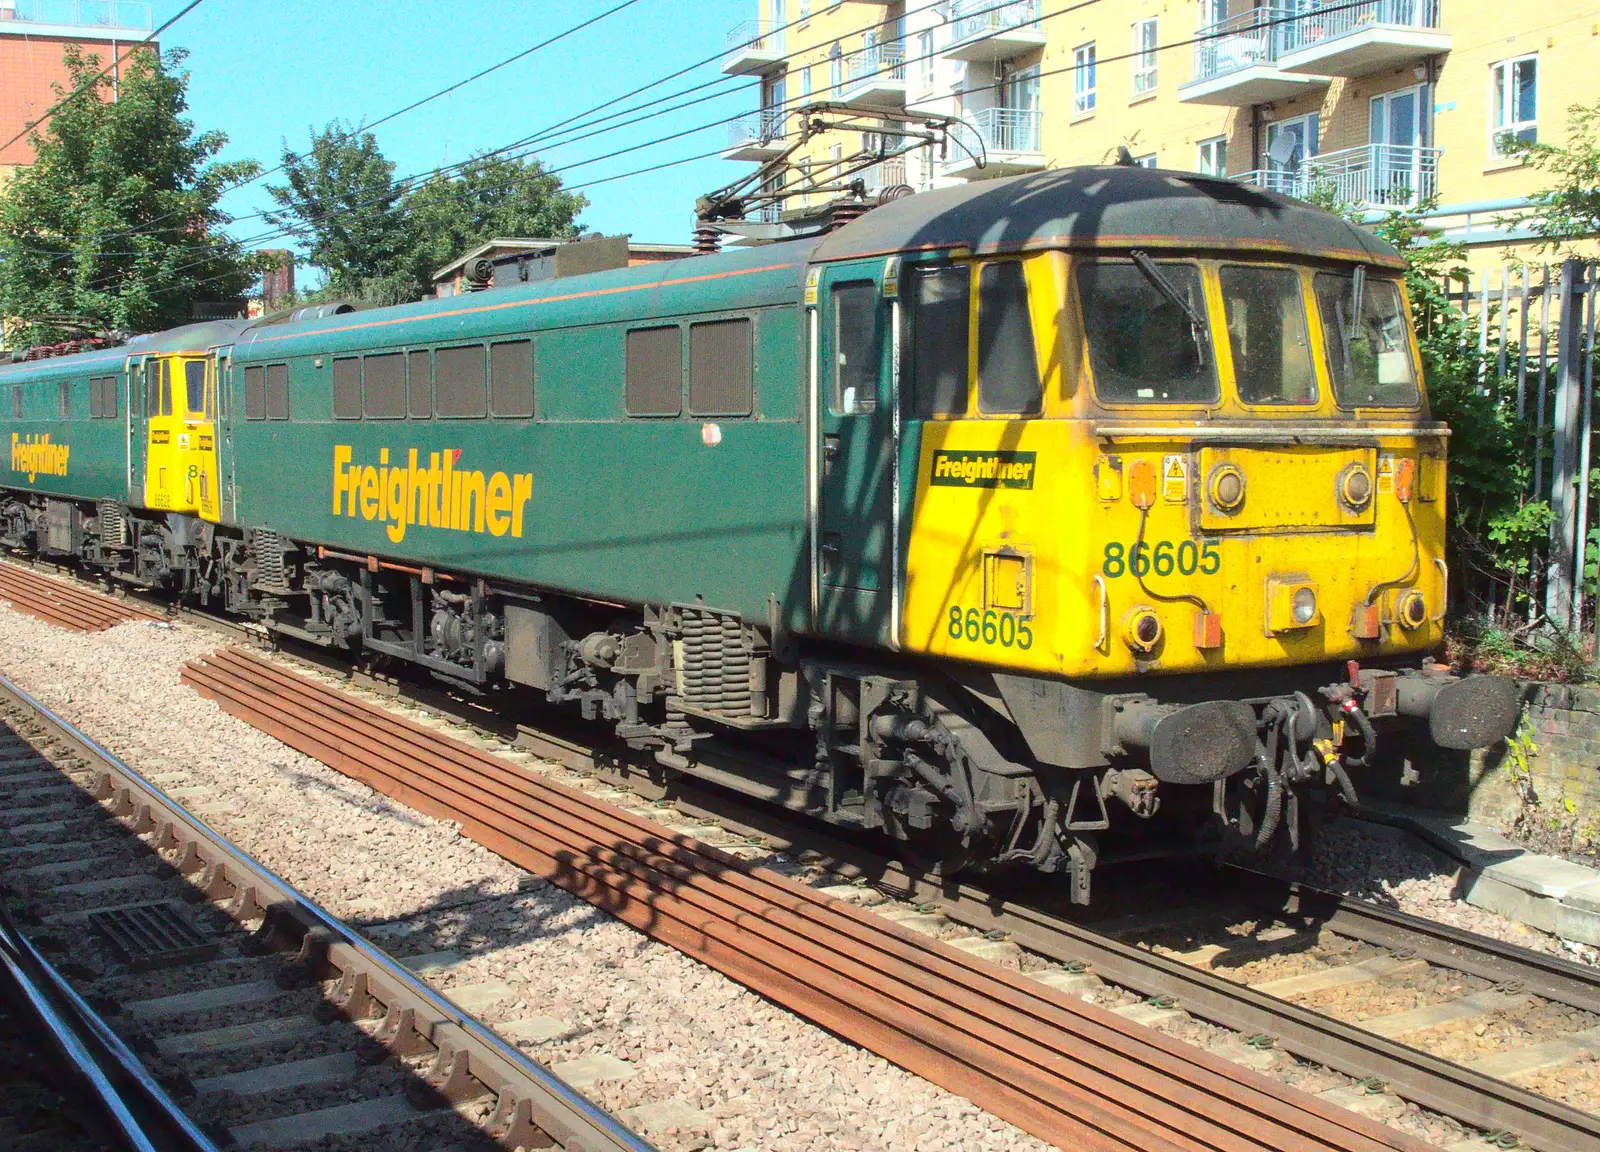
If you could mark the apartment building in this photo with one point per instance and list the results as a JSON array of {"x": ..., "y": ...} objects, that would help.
[
  {"x": 34, "y": 34},
  {"x": 1384, "y": 101}
]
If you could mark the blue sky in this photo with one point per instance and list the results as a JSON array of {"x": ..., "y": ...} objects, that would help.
[{"x": 268, "y": 70}]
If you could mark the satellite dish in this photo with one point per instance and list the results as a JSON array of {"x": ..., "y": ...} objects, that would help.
[{"x": 1284, "y": 148}]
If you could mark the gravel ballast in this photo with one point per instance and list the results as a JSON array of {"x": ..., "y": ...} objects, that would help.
[{"x": 750, "y": 1074}]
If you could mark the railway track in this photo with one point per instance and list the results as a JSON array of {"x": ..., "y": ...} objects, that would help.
[
  {"x": 1194, "y": 964},
  {"x": 1022, "y": 1048},
  {"x": 271, "y": 1023}
]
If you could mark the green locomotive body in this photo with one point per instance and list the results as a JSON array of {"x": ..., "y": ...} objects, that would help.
[{"x": 852, "y": 523}]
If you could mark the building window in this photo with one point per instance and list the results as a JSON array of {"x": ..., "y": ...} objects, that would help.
[
  {"x": 1214, "y": 156},
  {"x": 925, "y": 59},
  {"x": 1513, "y": 103},
  {"x": 835, "y": 69},
  {"x": 1144, "y": 56},
  {"x": 805, "y": 83},
  {"x": 1083, "y": 79},
  {"x": 805, "y": 10},
  {"x": 1216, "y": 11},
  {"x": 1147, "y": 161}
]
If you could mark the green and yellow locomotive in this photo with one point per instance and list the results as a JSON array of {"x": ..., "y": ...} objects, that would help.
[{"x": 1030, "y": 522}]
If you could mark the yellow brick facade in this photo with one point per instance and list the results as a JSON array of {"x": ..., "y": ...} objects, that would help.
[{"x": 1432, "y": 63}]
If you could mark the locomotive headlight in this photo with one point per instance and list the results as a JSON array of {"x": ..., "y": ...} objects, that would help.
[
  {"x": 1355, "y": 487},
  {"x": 1225, "y": 487},
  {"x": 1291, "y": 603},
  {"x": 1411, "y": 610},
  {"x": 1141, "y": 629}
]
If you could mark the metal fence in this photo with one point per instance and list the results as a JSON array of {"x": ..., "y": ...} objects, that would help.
[
  {"x": 991, "y": 130},
  {"x": 1344, "y": 19},
  {"x": 979, "y": 17},
  {"x": 1533, "y": 329},
  {"x": 1241, "y": 42}
]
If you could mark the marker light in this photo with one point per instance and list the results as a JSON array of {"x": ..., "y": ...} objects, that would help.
[
  {"x": 1141, "y": 628},
  {"x": 1303, "y": 605},
  {"x": 1355, "y": 487},
  {"x": 1411, "y": 610},
  {"x": 1225, "y": 486}
]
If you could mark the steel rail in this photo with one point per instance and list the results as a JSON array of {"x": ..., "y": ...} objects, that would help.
[
  {"x": 533, "y": 1106},
  {"x": 1070, "y": 1072},
  {"x": 1458, "y": 1092},
  {"x": 126, "y": 1100}
]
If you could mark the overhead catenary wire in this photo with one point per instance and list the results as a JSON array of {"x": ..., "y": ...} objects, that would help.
[
  {"x": 398, "y": 112},
  {"x": 1187, "y": 42},
  {"x": 293, "y": 230}
]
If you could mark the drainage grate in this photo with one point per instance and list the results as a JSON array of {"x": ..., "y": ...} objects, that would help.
[{"x": 146, "y": 936}]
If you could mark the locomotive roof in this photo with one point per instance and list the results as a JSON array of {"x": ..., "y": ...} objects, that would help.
[
  {"x": 1105, "y": 207},
  {"x": 189, "y": 338}
]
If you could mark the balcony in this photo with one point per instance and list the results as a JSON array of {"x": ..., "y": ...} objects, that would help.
[
  {"x": 875, "y": 78},
  {"x": 994, "y": 142},
  {"x": 985, "y": 32},
  {"x": 1236, "y": 63},
  {"x": 1361, "y": 39},
  {"x": 754, "y": 49},
  {"x": 1371, "y": 176},
  {"x": 758, "y": 136},
  {"x": 127, "y": 15}
]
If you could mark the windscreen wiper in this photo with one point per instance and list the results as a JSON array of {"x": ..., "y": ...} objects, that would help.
[{"x": 1166, "y": 287}]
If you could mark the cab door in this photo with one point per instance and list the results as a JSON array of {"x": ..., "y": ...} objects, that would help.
[
  {"x": 138, "y": 428},
  {"x": 854, "y": 562},
  {"x": 223, "y": 401}
]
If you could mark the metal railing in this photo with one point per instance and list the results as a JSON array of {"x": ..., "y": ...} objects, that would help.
[
  {"x": 761, "y": 35},
  {"x": 990, "y": 130},
  {"x": 131, "y": 14},
  {"x": 1318, "y": 27},
  {"x": 758, "y": 127},
  {"x": 1375, "y": 175},
  {"x": 1243, "y": 41},
  {"x": 978, "y": 17},
  {"x": 875, "y": 62}
]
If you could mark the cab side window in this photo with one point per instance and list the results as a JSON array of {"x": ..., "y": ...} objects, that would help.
[
  {"x": 166, "y": 388},
  {"x": 459, "y": 382},
  {"x": 255, "y": 393},
  {"x": 857, "y": 348},
  {"x": 939, "y": 343},
  {"x": 654, "y": 371},
  {"x": 152, "y": 387},
  {"x": 277, "y": 391},
  {"x": 1008, "y": 368},
  {"x": 721, "y": 367}
]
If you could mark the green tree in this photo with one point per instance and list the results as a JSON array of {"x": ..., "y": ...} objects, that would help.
[
  {"x": 117, "y": 220},
  {"x": 1568, "y": 209},
  {"x": 377, "y": 239},
  {"x": 342, "y": 203}
]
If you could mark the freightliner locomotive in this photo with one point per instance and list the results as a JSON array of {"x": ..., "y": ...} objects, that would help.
[{"x": 1038, "y": 522}]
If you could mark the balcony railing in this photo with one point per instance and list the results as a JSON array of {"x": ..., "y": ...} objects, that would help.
[
  {"x": 1373, "y": 175},
  {"x": 761, "y": 35},
  {"x": 133, "y": 15},
  {"x": 761, "y": 127},
  {"x": 875, "y": 62},
  {"x": 990, "y": 130},
  {"x": 1244, "y": 41},
  {"x": 1318, "y": 27},
  {"x": 886, "y": 174},
  {"x": 980, "y": 17}
]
